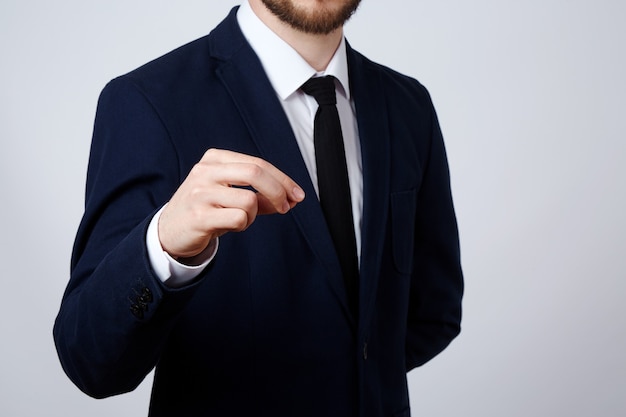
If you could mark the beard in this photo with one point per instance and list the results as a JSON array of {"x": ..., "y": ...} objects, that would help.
[{"x": 321, "y": 21}]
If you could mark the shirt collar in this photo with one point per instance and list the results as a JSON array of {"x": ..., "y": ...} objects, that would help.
[{"x": 285, "y": 68}]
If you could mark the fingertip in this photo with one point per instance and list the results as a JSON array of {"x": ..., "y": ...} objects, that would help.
[{"x": 298, "y": 193}]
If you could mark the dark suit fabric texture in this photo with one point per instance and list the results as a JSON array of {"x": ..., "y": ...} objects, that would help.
[{"x": 265, "y": 330}]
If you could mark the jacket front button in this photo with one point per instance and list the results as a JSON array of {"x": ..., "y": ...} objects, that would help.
[{"x": 365, "y": 351}]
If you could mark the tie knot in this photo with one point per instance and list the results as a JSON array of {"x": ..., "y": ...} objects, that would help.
[{"x": 322, "y": 89}]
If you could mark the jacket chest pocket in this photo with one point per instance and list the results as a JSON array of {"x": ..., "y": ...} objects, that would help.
[{"x": 403, "y": 207}]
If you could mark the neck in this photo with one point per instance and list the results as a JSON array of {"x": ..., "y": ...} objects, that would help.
[{"x": 316, "y": 49}]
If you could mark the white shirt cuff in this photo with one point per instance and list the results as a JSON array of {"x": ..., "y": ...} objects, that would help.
[{"x": 167, "y": 269}]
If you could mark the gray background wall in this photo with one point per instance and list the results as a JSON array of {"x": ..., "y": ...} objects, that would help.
[{"x": 531, "y": 96}]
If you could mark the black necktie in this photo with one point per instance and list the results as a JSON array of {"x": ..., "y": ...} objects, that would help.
[{"x": 332, "y": 180}]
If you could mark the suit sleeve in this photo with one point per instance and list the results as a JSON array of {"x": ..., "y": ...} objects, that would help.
[
  {"x": 437, "y": 281},
  {"x": 116, "y": 314}
]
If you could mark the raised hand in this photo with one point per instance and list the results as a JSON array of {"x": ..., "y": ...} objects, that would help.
[{"x": 213, "y": 201}]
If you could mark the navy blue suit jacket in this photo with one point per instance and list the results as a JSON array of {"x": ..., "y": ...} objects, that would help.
[{"x": 265, "y": 330}]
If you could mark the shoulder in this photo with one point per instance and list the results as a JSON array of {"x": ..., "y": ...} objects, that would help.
[
  {"x": 174, "y": 71},
  {"x": 388, "y": 76},
  {"x": 190, "y": 67},
  {"x": 407, "y": 99},
  {"x": 399, "y": 88},
  {"x": 171, "y": 85}
]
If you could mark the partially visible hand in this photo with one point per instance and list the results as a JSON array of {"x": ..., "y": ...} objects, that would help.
[{"x": 210, "y": 202}]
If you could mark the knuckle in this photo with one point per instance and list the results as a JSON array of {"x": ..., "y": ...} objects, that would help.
[
  {"x": 287, "y": 182},
  {"x": 196, "y": 192},
  {"x": 276, "y": 194},
  {"x": 248, "y": 200},
  {"x": 257, "y": 161},
  {"x": 198, "y": 170},
  {"x": 210, "y": 153},
  {"x": 239, "y": 220},
  {"x": 254, "y": 171}
]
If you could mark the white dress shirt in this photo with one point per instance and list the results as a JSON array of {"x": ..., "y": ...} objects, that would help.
[{"x": 287, "y": 71}]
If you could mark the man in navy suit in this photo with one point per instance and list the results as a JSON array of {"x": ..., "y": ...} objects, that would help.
[{"x": 204, "y": 251}]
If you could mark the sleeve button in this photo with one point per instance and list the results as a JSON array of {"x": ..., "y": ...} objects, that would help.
[
  {"x": 147, "y": 294},
  {"x": 137, "y": 311}
]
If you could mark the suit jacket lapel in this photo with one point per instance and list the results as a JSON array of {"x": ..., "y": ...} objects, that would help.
[
  {"x": 369, "y": 97},
  {"x": 244, "y": 78}
]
